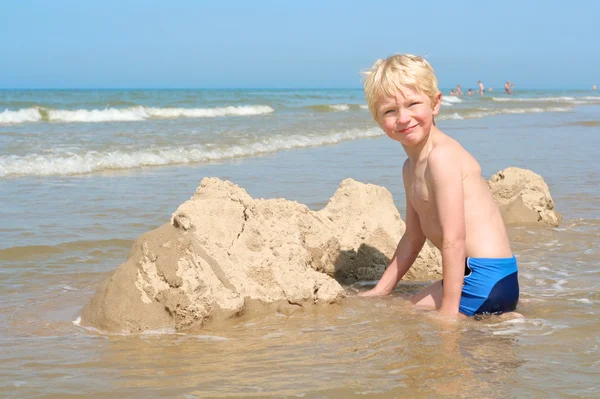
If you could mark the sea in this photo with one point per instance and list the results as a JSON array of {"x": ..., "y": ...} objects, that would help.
[{"x": 83, "y": 173}]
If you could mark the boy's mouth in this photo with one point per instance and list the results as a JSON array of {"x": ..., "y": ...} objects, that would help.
[{"x": 408, "y": 129}]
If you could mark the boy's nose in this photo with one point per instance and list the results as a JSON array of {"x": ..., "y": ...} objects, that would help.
[{"x": 403, "y": 117}]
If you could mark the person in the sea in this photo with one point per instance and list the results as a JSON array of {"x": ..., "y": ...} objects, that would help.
[{"x": 447, "y": 199}]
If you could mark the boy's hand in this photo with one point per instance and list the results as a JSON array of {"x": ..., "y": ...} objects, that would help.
[
  {"x": 448, "y": 317},
  {"x": 372, "y": 292},
  {"x": 449, "y": 310}
]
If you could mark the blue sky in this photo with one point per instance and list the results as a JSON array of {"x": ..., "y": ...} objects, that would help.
[{"x": 286, "y": 44}]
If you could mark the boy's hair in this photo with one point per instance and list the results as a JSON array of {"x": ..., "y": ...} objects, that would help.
[{"x": 387, "y": 77}]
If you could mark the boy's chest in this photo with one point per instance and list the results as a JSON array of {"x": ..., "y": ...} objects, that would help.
[{"x": 420, "y": 195}]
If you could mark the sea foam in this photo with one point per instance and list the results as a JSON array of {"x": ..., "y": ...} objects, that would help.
[
  {"x": 93, "y": 161},
  {"x": 131, "y": 114},
  {"x": 8, "y": 117}
]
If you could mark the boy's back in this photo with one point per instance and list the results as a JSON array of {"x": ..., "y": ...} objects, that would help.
[{"x": 485, "y": 233}]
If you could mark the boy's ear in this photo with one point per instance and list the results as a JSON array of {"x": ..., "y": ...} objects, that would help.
[{"x": 437, "y": 103}]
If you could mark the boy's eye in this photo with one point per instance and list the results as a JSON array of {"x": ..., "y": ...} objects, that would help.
[
  {"x": 414, "y": 103},
  {"x": 389, "y": 111}
]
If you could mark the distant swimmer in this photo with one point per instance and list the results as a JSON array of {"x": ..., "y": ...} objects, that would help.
[
  {"x": 452, "y": 93},
  {"x": 490, "y": 89},
  {"x": 594, "y": 87},
  {"x": 481, "y": 88},
  {"x": 470, "y": 92},
  {"x": 508, "y": 87},
  {"x": 458, "y": 90}
]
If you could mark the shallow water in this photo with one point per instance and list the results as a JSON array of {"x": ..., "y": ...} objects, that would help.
[{"x": 62, "y": 235}]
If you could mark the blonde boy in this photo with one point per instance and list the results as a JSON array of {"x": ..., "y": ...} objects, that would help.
[{"x": 447, "y": 200}]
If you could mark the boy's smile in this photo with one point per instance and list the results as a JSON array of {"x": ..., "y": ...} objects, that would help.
[
  {"x": 409, "y": 129},
  {"x": 408, "y": 116}
]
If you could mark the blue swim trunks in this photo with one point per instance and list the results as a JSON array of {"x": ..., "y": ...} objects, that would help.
[{"x": 491, "y": 285}]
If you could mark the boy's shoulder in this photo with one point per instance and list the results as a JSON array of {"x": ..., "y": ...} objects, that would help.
[
  {"x": 448, "y": 157},
  {"x": 445, "y": 151}
]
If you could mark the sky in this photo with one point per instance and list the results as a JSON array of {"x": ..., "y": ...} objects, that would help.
[{"x": 294, "y": 44}]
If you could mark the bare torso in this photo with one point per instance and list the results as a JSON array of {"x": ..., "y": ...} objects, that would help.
[{"x": 486, "y": 235}]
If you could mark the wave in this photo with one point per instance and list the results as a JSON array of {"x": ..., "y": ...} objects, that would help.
[
  {"x": 340, "y": 107},
  {"x": 93, "y": 161},
  {"x": 481, "y": 112},
  {"x": 585, "y": 123},
  {"x": 454, "y": 116},
  {"x": 561, "y": 99},
  {"x": 32, "y": 252},
  {"x": 8, "y": 117},
  {"x": 503, "y": 111},
  {"x": 336, "y": 107},
  {"x": 138, "y": 113},
  {"x": 451, "y": 99}
]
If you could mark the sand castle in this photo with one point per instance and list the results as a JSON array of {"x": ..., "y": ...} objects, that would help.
[
  {"x": 523, "y": 197},
  {"x": 226, "y": 254}
]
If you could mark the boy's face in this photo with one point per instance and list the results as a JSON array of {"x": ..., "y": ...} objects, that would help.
[{"x": 408, "y": 116}]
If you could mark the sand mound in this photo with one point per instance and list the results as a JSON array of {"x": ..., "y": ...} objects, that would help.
[
  {"x": 226, "y": 254},
  {"x": 523, "y": 197}
]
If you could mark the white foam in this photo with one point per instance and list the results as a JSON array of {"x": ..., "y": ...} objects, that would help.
[
  {"x": 340, "y": 107},
  {"x": 93, "y": 161},
  {"x": 141, "y": 113},
  {"x": 502, "y": 111},
  {"x": 558, "y": 286},
  {"x": 508, "y": 331},
  {"x": 582, "y": 300},
  {"x": 8, "y": 117},
  {"x": 247, "y": 110},
  {"x": 451, "y": 99},
  {"x": 77, "y": 321},
  {"x": 19, "y": 383},
  {"x": 130, "y": 114},
  {"x": 526, "y": 326},
  {"x": 454, "y": 116},
  {"x": 534, "y": 99},
  {"x": 98, "y": 115},
  {"x": 558, "y": 99}
]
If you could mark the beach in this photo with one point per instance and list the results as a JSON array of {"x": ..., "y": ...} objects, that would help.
[{"x": 83, "y": 173}]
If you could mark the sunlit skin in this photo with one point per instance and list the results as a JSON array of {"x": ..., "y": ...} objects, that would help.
[{"x": 447, "y": 201}]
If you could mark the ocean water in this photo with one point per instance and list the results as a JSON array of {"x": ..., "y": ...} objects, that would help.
[{"x": 85, "y": 172}]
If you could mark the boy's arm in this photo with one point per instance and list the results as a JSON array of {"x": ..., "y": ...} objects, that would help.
[
  {"x": 446, "y": 175},
  {"x": 407, "y": 250}
]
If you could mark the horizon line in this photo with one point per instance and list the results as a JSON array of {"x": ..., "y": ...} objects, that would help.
[{"x": 246, "y": 88}]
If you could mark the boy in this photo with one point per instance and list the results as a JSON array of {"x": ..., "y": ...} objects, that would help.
[{"x": 447, "y": 200}]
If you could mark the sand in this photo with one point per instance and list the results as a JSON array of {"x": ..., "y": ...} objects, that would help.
[{"x": 225, "y": 254}]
